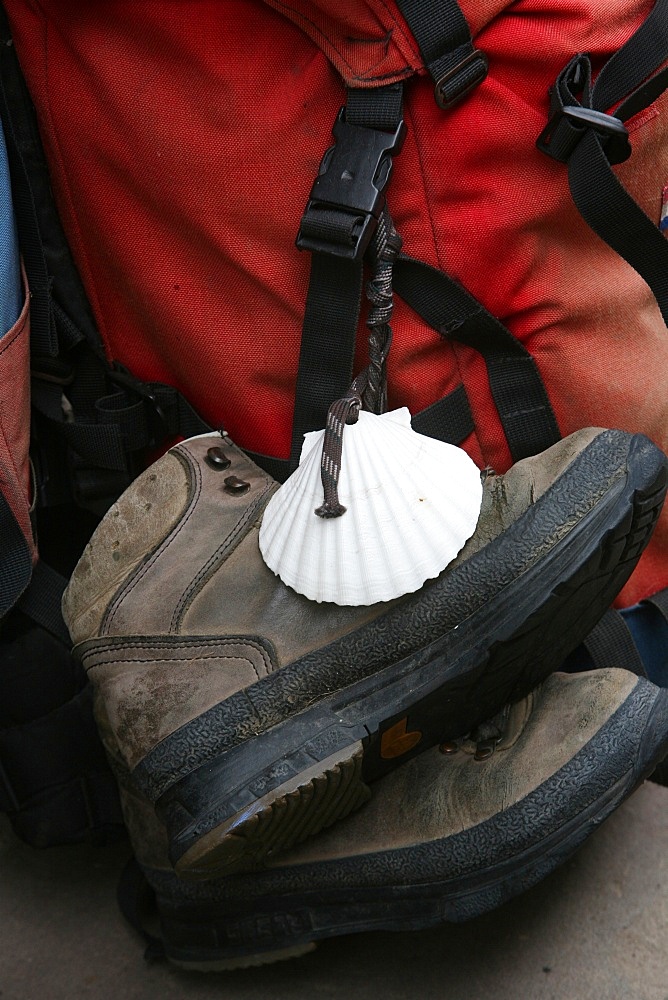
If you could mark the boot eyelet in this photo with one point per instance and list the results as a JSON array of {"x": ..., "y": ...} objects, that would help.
[
  {"x": 217, "y": 459},
  {"x": 236, "y": 486}
]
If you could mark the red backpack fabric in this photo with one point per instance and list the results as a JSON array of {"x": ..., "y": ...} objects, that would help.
[{"x": 183, "y": 140}]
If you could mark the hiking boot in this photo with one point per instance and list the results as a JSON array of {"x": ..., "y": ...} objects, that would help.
[
  {"x": 252, "y": 717},
  {"x": 447, "y": 837}
]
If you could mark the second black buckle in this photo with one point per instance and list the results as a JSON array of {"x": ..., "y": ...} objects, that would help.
[
  {"x": 568, "y": 125},
  {"x": 348, "y": 194}
]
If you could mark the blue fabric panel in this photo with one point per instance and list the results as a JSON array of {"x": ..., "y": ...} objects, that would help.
[{"x": 10, "y": 273}]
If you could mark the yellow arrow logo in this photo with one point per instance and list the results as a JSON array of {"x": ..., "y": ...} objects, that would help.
[{"x": 395, "y": 741}]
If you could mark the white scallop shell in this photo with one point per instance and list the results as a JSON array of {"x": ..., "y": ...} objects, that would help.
[{"x": 412, "y": 502}]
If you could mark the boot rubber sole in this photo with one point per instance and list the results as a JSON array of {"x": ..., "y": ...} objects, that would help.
[
  {"x": 268, "y": 793},
  {"x": 254, "y": 928}
]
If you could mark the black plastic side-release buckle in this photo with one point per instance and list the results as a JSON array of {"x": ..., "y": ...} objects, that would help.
[
  {"x": 568, "y": 125},
  {"x": 348, "y": 194}
]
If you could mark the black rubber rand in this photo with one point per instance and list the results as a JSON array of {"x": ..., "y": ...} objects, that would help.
[{"x": 314, "y": 768}]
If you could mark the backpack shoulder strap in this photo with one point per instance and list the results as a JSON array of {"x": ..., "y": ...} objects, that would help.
[{"x": 584, "y": 135}]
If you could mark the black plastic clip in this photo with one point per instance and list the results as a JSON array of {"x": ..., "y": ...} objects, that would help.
[
  {"x": 348, "y": 194},
  {"x": 568, "y": 125},
  {"x": 453, "y": 85},
  {"x": 157, "y": 421}
]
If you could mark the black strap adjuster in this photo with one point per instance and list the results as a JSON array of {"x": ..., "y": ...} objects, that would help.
[
  {"x": 568, "y": 125},
  {"x": 348, "y": 194},
  {"x": 109, "y": 407},
  {"x": 452, "y": 86}
]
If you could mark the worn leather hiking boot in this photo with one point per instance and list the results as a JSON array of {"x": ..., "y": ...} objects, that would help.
[
  {"x": 252, "y": 717},
  {"x": 445, "y": 838}
]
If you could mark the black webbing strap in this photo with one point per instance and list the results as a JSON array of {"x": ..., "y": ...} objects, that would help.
[
  {"x": 41, "y": 601},
  {"x": 517, "y": 388},
  {"x": 16, "y": 559},
  {"x": 376, "y": 108},
  {"x": 582, "y": 134},
  {"x": 117, "y": 418},
  {"x": 115, "y": 413},
  {"x": 448, "y": 419},
  {"x": 55, "y": 782},
  {"x": 328, "y": 343},
  {"x": 278, "y": 468},
  {"x": 85, "y": 809},
  {"x": 337, "y": 227},
  {"x": 611, "y": 644},
  {"x": 146, "y": 413},
  {"x": 107, "y": 442},
  {"x": 444, "y": 39},
  {"x": 660, "y": 602}
]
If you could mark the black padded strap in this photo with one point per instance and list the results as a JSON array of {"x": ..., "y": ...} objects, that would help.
[
  {"x": 517, "y": 388},
  {"x": 148, "y": 412},
  {"x": 611, "y": 644},
  {"x": 444, "y": 39}
]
